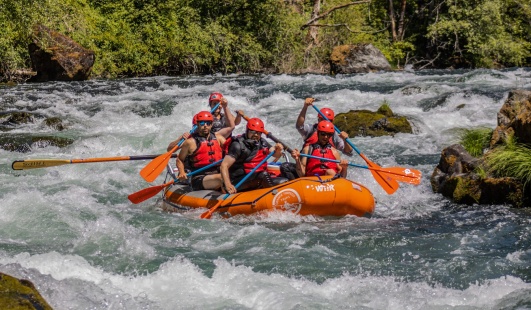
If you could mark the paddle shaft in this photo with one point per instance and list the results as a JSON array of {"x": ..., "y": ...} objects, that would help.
[
  {"x": 270, "y": 136},
  {"x": 44, "y": 163},
  {"x": 208, "y": 213},
  {"x": 149, "y": 192}
]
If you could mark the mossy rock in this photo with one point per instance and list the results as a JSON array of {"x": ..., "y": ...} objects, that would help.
[
  {"x": 55, "y": 123},
  {"x": 20, "y": 294},
  {"x": 374, "y": 124},
  {"x": 24, "y": 143},
  {"x": 16, "y": 118}
]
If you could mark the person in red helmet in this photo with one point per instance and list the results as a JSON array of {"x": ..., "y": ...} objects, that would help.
[
  {"x": 222, "y": 120},
  {"x": 309, "y": 132},
  {"x": 321, "y": 148},
  {"x": 244, "y": 153},
  {"x": 227, "y": 124},
  {"x": 203, "y": 147}
]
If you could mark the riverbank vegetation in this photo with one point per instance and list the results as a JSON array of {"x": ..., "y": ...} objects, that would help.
[
  {"x": 511, "y": 159},
  {"x": 476, "y": 140},
  {"x": 150, "y": 37}
]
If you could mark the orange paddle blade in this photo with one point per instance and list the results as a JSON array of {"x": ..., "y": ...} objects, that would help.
[
  {"x": 147, "y": 193},
  {"x": 389, "y": 184},
  {"x": 208, "y": 214},
  {"x": 405, "y": 175},
  {"x": 156, "y": 166}
]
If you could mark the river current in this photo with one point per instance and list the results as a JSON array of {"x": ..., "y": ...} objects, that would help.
[{"x": 72, "y": 231}]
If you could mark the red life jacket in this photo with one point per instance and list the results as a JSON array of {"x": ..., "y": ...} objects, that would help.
[
  {"x": 250, "y": 157},
  {"x": 312, "y": 138},
  {"x": 208, "y": 151},
  {"x": 319, "y": 167},
  {"x": 254, "y": 161}
]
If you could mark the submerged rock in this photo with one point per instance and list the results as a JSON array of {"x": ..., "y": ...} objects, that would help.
[
  {"x": 25, "y": 143},
  {"x": 20, "y": 294},
  {"x": 375, "y": 124}
]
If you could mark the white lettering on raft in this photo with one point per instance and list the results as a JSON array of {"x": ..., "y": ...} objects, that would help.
[{"x": 322, "y": 187}]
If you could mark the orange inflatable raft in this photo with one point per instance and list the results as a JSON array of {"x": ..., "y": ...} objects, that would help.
[{"x": 324, "y": 196}]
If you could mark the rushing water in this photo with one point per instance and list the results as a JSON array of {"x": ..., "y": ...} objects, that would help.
[{"x": 72, "y": 231}]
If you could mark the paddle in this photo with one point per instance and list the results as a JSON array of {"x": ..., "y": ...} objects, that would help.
[
  {"x": 208, "y": 214},
  {"x": 149, "y": 192},
  {"x": 389, "y": 184},
  {"x": 44, "y": 163},
  {"x": 157, "y": 165},
  {"x": 405, "y": 175}
]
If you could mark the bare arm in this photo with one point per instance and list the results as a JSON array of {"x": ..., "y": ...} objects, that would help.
[
  {"x": 221, "y": 139},
  {"x": 227, "y": 162},
  {"x": 239, "y": 116},
  {"x": 347, "y": 150},
  {"x": 277, "y": 148},
  {"x": 185, "y": 151},
  {"x": 175, "y": 142},
  {"x": 228, "y": 114},
  {"x": 301, "y": 162},
  {"x": 302, "y": 115},
  {"x": 343, "y": 165}
]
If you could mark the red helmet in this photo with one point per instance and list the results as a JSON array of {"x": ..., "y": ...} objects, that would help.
[
  {"x": 328, "y": 113},
  {"x": 203, "y": 116},
  {"x": 215, "y": 97},
  {"x": 325, "y": 126},
  {"x": 255, "y": 124}
]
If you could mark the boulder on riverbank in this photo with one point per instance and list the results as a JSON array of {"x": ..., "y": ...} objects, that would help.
[
  {"x": 56, "y": 57},
  {"x": 375, "y": 124},
  {"x": 468, "y": 180},
  {"x": 358, "y": 58},
  {"x": 459, "y": 176},
  {"x": 20, "y": 294}
]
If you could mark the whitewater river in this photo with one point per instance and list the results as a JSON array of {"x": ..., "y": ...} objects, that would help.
[{"x": 72, "y": 231}]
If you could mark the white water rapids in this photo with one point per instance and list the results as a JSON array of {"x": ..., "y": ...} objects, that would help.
[{"x": 72, "y": 231}]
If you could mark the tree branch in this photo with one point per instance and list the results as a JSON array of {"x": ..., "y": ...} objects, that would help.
[
  {"x": 311, "y": 21},
  {"x": 348, "y": 28}
]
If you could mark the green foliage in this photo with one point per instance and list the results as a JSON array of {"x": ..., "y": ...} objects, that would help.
[
  {"x": 475, "y": 140},
  {"x": 484, "y": 33},
  {"x": 385, "y": 109},
  {"x": 133, "y": 37},
  {"x": 511, "y": 160}
]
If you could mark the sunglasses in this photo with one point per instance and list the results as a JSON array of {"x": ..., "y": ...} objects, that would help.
[
  {"x": 254, "y": 132},
  {"x": 326, "y": 134},
  {"x": 203, "y": 123}
]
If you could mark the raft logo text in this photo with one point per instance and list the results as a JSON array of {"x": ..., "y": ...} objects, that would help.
[{"x": 323, "y": 188}]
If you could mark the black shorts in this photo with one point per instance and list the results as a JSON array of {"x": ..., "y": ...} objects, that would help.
[{"x": 197, "y": 182}]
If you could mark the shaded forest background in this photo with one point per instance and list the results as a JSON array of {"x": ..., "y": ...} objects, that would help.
[{"x": 172, "y": 37}]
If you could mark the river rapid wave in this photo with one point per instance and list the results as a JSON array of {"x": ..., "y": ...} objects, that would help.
[{"x": 72, "y": 231}]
